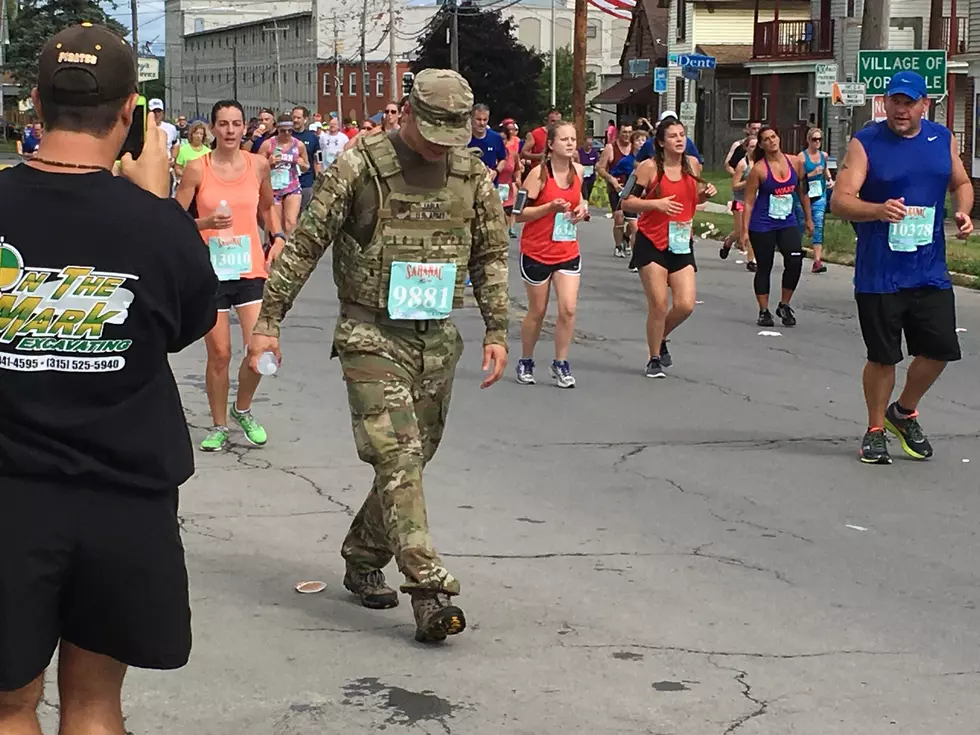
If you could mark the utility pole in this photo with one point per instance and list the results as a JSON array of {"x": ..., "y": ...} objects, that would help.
[
  {"x": 364, "y": 80},
  {"x": 554, "y": 56},
  {"x": 874, "y": 37},
  {"x": 935, "y": 35},
  {"x": 339, "y": 78},
  {"x": 275, "y": 30},
  {"x": 393, "y": 68},
  {"x": 234, "y": 72},
  {"x": 4, "y": 40},
  {"x": 579, "y": 52},
  {"x": 197, "y": 98},
  {"x": 136, "y": 23},
  {"x": 454, "y": 36},
  {"x": 954, "y": 43}
]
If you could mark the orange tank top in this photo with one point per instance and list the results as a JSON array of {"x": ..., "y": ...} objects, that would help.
[
  {"x": 242, "y": 196},
  {"x": 656, "y": 225},
  {"x": 538, "y": 237}
]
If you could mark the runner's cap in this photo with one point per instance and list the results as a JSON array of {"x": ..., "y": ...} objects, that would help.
[
  {"x": 86, "y": 65},
  {"x": 441, "y": 101},
  {"x": 665, "y": 114},
  {"x": 155, "y": 104},
  {"x": 908, "y": 83}
]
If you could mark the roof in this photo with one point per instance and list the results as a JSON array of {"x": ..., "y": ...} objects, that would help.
[
  {"x": 627, "y": 90},
  {"x": 728, "y": 54},
  {"x": 249, "y": 24}
]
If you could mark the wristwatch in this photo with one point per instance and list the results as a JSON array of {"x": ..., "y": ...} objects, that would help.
[{"x": 279, "y": 235}]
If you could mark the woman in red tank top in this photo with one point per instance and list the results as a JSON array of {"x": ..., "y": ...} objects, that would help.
[
  {"x": 663, "y": 250},
  {"x": 549, "y": 250}
]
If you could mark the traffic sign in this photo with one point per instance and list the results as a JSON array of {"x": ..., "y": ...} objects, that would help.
[
  {"x": 878, "y": 108},
  {"x": 826, "y": 76},
  {"x": 698, "y": 61},
  {"x": 691, "y": 72},
  {"x": 689, "y": 113},
  {"x": 660, "y": 80},
  {"x": 875, "y": 68},
  {"x": 848, "y": 94},
  {"x": 149, "y": 68}
]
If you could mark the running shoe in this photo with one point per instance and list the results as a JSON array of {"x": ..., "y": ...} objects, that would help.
[
  {"x": 216, "y": 439},
  {"x": 726, "y": 248},
  {"x": 468, "y": 281},
  {"x": 655, "y": 368},
  {"x": 908, "y": 431},
  {"x": 751, "y": 266},
  {"x": 818, "y": 267},
  {"x": 562, "y": 374},
  {"x": 785, "y": 312},
  {"x": 665, "y": 359},
  {"x": 634, "y": 269},
  {"x": 253, "y": 429},
  {"x": 618, "y": 252},
  {"x": 765, "y": 319},
  {"x": 512, "y": 233},
  {"x": 525, "y": 372},
  {"x": 627, "y": 250},
  {"x": 874, "y": 447}
]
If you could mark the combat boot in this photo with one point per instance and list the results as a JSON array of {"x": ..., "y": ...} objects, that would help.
[
  {"x": 435, "y": 618},
  {"x": 371, "y": 588}
]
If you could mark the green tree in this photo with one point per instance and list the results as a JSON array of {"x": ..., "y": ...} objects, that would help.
[
  {"x": 155, "y": 87},
  {"x": 563, "y": 83},
  {"x": 499, "y": 69},
  {"x": 37, "y": 21}
]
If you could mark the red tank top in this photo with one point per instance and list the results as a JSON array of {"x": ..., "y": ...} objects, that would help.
[
  {"x": 537, "y": 237},
  {"x": 242, "y": 196},
  {"x": 654, "y": 224},
  {"x": 540, "y": 136}
]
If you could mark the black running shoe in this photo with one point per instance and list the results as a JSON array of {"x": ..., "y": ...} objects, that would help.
[
  {"x": 909, "y": 433},
  {"x": 655, "y": 368},
  {"x": 765, "y": 319},
  {"x": 723, "y": 253},
  {"x": 874, "y": 448},
  {"x": 751, "y": 266},
  {"x": 665, "y": 359},
  {"x": 785, "y": 312}
]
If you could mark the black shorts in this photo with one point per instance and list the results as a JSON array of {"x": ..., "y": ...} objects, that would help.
[
  {"x": 926, "y": 315},
  {"x": 613, "y": 197},
  {"x": 240, "y": 293},
  {"x": 645, "y": 253},
  {"x": 100, "y": 569},
  {"x": 537, "y": 274}
]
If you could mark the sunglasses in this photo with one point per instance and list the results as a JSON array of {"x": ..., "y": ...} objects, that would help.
[
  {"x": 391, "y": 112},
  {"x": 816, "y": 138}
]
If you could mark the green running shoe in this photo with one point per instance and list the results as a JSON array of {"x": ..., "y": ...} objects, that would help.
[
  {"x": 252, "y": 428},
  {"x": 216, "y": 439}
]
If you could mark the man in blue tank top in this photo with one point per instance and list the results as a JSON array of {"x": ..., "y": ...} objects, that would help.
[{"x": 893, "y": 185}]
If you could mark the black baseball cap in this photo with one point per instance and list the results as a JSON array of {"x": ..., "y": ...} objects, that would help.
[{"x": 86, "y": 65}]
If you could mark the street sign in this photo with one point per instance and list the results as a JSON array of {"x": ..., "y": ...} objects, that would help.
[
  {"x": 639, "y": 67},
  {"x": 826, "y": 76},
  {"x": 878, "y": 108},
  {"x": 875, "y": 68},
  {"x": 689, "y": 113},
  {"x": 149, "y": 68},
  {"x": 848, "y": 94},
  {"x": 660, "y": 80},
  {"x": 698, "y": 61},
  {"x": 691, "y": 72}
]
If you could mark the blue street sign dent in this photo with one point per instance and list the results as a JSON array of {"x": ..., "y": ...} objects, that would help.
[
  {"x": 698, "y": 61},
  {"x": 660, "y": 80}
]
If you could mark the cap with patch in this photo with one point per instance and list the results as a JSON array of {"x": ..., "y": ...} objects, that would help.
[
  {"x": 155, "y": 104},
  {"x": 667, "y": 113},
  {"x": 86, "y": 65},
  {"x": 441, "y": 101}
]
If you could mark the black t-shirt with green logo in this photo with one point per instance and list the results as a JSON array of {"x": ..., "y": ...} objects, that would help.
[{"x": 99, "y": 282}]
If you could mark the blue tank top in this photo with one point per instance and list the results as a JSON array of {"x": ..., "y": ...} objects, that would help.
[
  {"x": 808, "y": 168},
  {"x": 773, "y": 208},
  {"x": 893, "y": 257}
]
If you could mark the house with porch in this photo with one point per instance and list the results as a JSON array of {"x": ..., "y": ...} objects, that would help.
[
  {"x": 733, "y": 32},
  {"x": 786, "y": 50},
  {"x": 968, "y": 52},
  {"x": 632, "y": 96}
]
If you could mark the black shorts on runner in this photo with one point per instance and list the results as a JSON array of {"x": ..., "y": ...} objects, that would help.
[
  {"x": 645, "y": 253},
  {"x": 536, "y": 273},
  {"x": 100, "y": 569},
  {"x": 927, "y": 316},
  {"x": 240, "y": 293},
  {"x": 613, "y": 197}
]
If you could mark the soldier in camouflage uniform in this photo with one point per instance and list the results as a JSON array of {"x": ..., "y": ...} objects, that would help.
[{"x": 408, "y": 213}]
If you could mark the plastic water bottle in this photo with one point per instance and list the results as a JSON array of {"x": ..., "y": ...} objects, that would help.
[
  {"x": 268, "y": 364},
  {"x": 224, "y": 210}
]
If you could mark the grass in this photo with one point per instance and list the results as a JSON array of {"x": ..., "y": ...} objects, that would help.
[{"x": 8, "y": 146}]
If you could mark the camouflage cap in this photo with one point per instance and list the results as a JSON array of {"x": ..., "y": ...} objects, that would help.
[{"x": 441, "y": 101}]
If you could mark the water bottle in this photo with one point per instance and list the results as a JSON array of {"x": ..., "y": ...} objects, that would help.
[
  {"x": 268, "y": 364},
  {"x": 224, "y": 210}
]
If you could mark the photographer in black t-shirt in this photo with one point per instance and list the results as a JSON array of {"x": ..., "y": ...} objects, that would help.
[{"x": 101, "y": 277}]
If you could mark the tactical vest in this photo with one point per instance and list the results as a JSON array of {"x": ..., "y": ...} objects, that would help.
[{"x": 413, "y": 225}]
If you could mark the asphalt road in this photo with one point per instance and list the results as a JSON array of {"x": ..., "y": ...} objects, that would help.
[{"x": 698, "y": 555}]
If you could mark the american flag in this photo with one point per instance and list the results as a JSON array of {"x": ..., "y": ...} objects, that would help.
[{"x": 622, "y": 9}]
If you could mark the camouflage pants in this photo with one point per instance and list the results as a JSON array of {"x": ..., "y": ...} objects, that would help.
[{"x": 399, "y": 383}]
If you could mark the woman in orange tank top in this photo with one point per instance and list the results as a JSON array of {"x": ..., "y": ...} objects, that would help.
[
  {"x": 549, "y": 250},
  {"x": 231, "y": 178},
  {"x": 663, "y": 251}
]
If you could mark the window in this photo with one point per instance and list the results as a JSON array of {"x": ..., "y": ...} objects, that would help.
[
  {"x": 591, "y": 31},
  {"x": 681, "y": 20},
  {"x": 678, "y": 94},
  {"x": 253, "y": 77},
  {"x": 309, "y": 76},
  {"x": 297, "y": 31},
  {"x": 850, "y": 8},
  {"x": 739, "y": 106},
  {"x": 352, "y": 85},
  {"x": 379, "y": 84},
  {"x": 326, "y": 85},
  {"x": 198, "y": 25},
  {"x": 367, "y": 84},
  {"x": 803, "y": 108},
  {"x": 296, "y": 74}
]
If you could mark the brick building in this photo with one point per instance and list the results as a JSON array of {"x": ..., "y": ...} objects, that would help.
[{"x": 355, "y": 88}]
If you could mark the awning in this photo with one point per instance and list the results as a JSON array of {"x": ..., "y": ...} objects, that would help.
[{"x": 634, "y": 90}]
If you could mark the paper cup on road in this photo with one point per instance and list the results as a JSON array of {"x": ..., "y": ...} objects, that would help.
[
  {"x": 310, "y": 588},
  {"x": 765, "y": 333}
]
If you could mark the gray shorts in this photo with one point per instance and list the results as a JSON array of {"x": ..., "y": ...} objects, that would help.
[{"x": 307, "y": 197}]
